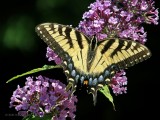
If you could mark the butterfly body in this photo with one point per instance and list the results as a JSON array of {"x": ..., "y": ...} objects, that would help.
[{"x": 88, "y": 61}]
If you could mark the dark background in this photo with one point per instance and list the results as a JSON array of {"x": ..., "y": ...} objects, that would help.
[{"x": 22, "y": 50}]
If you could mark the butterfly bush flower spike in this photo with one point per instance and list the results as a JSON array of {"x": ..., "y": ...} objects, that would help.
[
  {"x": 118, "y": 83},
  {"x": 44, "y": 96},
  {"x": 52, "y": 56},
  {"x": 119, "y": 18}
]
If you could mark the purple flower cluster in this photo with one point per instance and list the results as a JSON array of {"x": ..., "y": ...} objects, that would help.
[
  {"x": 118, "y": 82},
  {"x": 52, "y": 56},
  {"x": 119, "y": 18},
  {"x": 44, "y": 96}
]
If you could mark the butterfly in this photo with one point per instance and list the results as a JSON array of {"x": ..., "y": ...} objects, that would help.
[{"x": 87, "y": 61}]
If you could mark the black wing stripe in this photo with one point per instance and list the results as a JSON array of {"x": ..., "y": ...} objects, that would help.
[
  {"x": 107, "y": 46},
  {"x": 121, "y": 44},
  {"x": 60, "y": 29},
  {"x": 79, "y": 39},
  {"x": 128, "y": 45},
  {"x": 82, "y": 59},
  {"x": 68, "y": 37},
  {"x": 67, "y": 33}
]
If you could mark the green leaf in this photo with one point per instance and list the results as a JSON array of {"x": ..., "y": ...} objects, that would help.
[
  {"x": 45, "y": 67},
  {"x": 106, "y": 92},
  {"x": 32, "y": 117},
  {"x": 29, "y": 117}
]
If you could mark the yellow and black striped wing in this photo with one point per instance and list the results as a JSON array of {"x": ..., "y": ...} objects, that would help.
[
  {"x": 122, "y": 53},
  {"x": 66, "y": 42}
]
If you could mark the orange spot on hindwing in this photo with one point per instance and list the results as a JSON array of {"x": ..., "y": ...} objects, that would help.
[{"x": 85, "y": 82}]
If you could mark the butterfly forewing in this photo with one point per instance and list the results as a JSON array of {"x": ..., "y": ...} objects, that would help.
[
  {"x": 64, "y": 39},
  {"x": 123, "y": 53}
]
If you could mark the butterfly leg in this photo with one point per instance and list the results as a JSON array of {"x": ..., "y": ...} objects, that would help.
[
  {"x": 73, "y": 88},
  {"x": 94, "y": 93}
]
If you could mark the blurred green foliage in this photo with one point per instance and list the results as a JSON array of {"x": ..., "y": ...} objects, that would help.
[{"x": 18, "y": 33}]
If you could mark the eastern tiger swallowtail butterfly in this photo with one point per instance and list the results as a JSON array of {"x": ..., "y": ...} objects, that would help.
[{"x": 88, "y": 61}]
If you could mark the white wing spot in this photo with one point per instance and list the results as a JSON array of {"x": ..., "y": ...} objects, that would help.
[
  {"x": 148, "y": 53},
  {"x": 144, "y": 56},
  {"x": 38, "y": 28},
  {"x": 93, "y": 89},
  {"x": 100, "y": 85},
  {"x": 71, "y": 79},
  {"x": 107, "y": 80},
  {"x": 66, "y": 71},
  {"x": 65, "y": 62}
]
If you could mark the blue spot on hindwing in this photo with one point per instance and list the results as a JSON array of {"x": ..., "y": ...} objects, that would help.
[
  {"x": 77, "y": 78},
  {"x": 94, "y": 82},
  {"x": 82, "y": 79},
  {"x": 73, "y": 73},
  {"x": 90, "y": 81},
  {"x": 70, "y": 66},
  {"x": 100, "y": 79},
  {"x": 106, "y": 73}
]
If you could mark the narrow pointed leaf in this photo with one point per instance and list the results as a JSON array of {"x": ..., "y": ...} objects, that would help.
[
  {"x": 106, "y": 92},
  {"x": 45, "y": 67}
]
